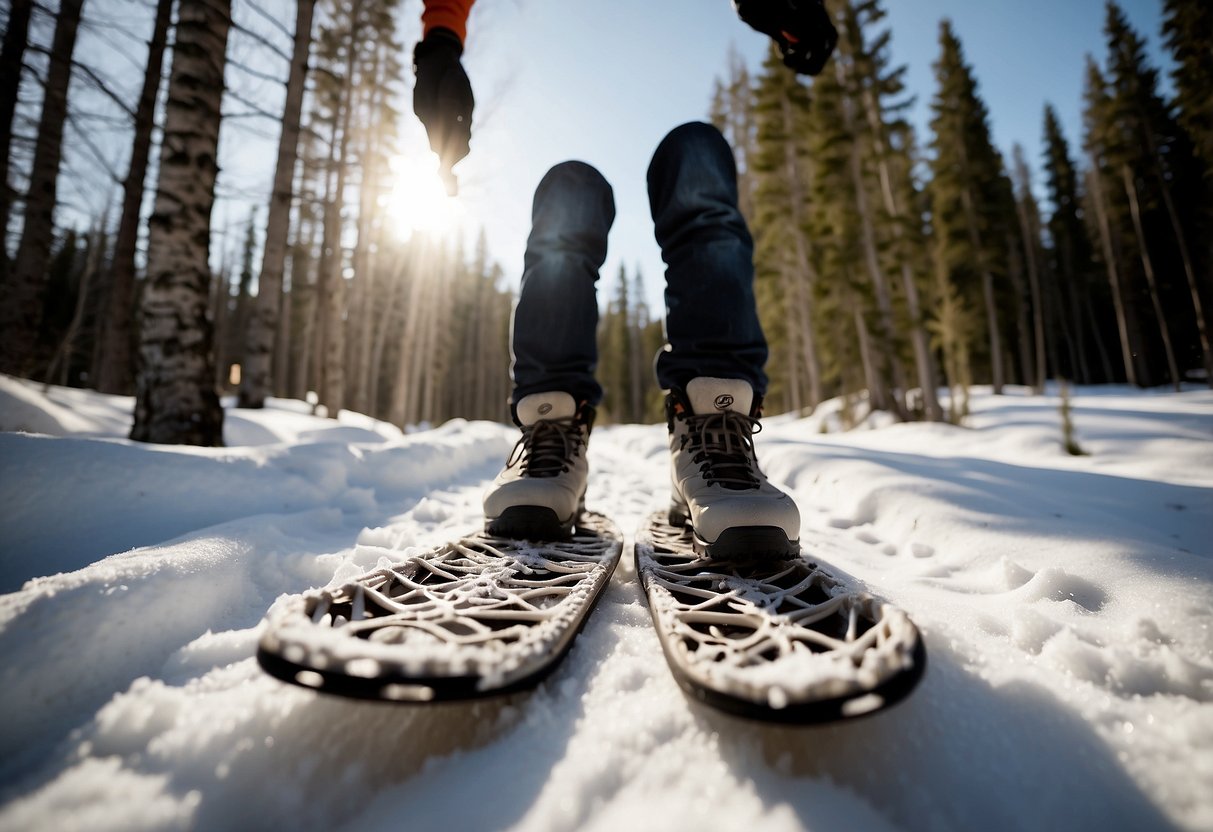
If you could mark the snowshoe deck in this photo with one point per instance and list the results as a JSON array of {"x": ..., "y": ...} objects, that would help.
[
  {"x": 479, "y": 616},
  {"x": 783, "y": 641}
]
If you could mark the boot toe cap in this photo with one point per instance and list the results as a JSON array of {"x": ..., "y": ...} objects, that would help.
[{"x": 745, "y": 511}]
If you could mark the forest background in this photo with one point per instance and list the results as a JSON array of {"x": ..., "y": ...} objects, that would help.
[{"x": 894, "y": 255}]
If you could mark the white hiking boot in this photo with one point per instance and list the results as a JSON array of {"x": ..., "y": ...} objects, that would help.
[
  {"x": 718, "y": 488},
  {"x": 540, "y": 493}
]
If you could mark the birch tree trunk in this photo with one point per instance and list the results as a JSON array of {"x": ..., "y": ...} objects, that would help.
[
  {"x": 176, "y": 401},
  {"x": 11, "y": 55},
  {"x": 24, "y": 287},
  {"x": 115, "y": 371},
  {"x": 263, "y": 324}
]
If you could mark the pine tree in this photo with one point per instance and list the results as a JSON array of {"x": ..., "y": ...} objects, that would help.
[
  {"x": 1029, "y": 227},
  {"x": 969, "y": 209},
  {"x": 784, "y": 268},
  {"x": 1164, "y": 162},
  {"x": 1187, "y": 25},
  {"x": 176, "y": 401},
  {"x": 1071, "y": 255},
  {"x": 1149, "y": 155},
  {"x": 1110, "y": 243},
  {"x": 841, "y": 242},
  {"x": 889, "y": 142},
  {"x": 858, "y": 64}
]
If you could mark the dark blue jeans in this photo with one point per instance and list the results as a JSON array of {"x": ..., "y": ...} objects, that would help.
[{"x": 711, "y": 321}]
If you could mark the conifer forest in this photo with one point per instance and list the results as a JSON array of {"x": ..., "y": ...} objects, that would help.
[{"x": 895, "y": 267}]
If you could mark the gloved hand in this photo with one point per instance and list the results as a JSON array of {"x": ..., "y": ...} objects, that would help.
[
  {"x": 442, "y": 99},
  {"x": 800, "y": 28}
]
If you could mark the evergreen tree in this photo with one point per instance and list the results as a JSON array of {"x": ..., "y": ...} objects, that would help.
[
  {"x": 1188, "y": 29},
  {"x": 1187, "y": 25},
  {"x": 841, "y": 243},
  {"x": 888, "y": 150},
  {"x": 968, "y": 209},
  {"x": 783, "y": 257},
  {"x": 1148, "y": 159},
  {"x": 1071, "y": 257}
]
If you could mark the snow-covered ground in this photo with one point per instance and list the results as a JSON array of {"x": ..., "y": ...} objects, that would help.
[{"x": 1067, "y": 604}]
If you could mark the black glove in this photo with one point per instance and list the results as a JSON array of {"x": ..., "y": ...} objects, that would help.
[
  {"x": 442, "y": 99},
  {"x": 800, "y": 28}
]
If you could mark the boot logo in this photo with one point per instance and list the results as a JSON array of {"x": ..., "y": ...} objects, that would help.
[
  {"x": 724, "y": 401},
  {"x": 545, "y": 409}
]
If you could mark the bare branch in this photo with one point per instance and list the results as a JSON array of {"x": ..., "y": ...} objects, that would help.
[
  {"x": 97, "y": 154},
  {"x": 92, "y": 76},
  {"x": 236, "y": 27},
  {"x": 254, "y": 107},
  {"x": 277, "y": 23},
  {"x": 256, "y": 73}
]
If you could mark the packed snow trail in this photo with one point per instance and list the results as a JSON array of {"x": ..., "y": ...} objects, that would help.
[{"x": 1066, "y": 602}]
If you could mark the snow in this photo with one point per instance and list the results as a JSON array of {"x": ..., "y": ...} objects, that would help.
[{"x": 1066, "y": 604}]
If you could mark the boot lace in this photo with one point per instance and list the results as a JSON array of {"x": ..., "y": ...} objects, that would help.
[
  {"x": 723, "y": 446},
  {"x": 547, "y": 447}
]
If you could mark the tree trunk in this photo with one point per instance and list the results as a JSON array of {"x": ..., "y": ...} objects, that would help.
[
  {"x": 1030, "y": 240},
  {"x": 865, "y": 357},
  {"x": 987, "y": 282},
  {"x": 1148, "y": 265},
  {"x": 116, "y": 367},
  {"x": 11, "y": 56},
  {"x": 332, "y": 391},
  {"x": 176, "y": 401},
  {"x": 1022, "y": 304},
  {"x": 884, "y": 307},
  {"x": 303, "y": 377},
  {"x": 1105, "y": 239},
  {"x": 281, "y": 362},
  {"x": 62, "y": 362},
  {"x": 1202, "y": 325},
  {"x": 812, "y": 363},
  {"x": 923, "y": 364},
  {"x": 791, "y": 307},
  {"x": 21, "y": 312},
  {"x": 262, "y": 328}
]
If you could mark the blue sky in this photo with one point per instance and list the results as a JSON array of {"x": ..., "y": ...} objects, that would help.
[{"x": 604, "y": 81}]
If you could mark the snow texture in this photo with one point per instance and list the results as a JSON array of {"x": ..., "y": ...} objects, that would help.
[{"x": 1066, "y": 603}]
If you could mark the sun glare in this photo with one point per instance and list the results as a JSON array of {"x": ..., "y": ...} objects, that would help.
[{"x": 417, "y": 200}]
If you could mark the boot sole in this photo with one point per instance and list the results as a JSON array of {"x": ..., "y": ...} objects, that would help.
[
  {"x": 531, "y": 523},
  {"x": 740, "y": 544},
  {"x": 748, "y": 544}
]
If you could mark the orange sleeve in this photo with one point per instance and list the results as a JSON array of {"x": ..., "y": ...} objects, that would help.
[{"x": 446, "y": 14}]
